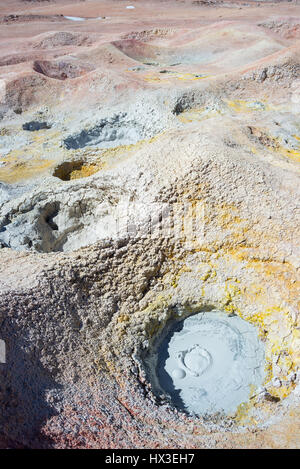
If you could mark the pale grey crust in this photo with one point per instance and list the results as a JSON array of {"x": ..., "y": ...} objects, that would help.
[
  {"x": 81, "y": 302},
  {"x": 207, "y": 364}
]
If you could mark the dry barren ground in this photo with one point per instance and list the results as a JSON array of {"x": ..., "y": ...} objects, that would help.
[{"x": 149, "y": 171}]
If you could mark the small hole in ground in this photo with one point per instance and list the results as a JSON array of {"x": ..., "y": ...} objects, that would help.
[
  {"x": 33, "y": 126},
  {"x": 70, "y": 170}
]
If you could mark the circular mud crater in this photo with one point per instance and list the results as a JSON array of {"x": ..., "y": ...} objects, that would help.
[{"x": 207, "y": 364}]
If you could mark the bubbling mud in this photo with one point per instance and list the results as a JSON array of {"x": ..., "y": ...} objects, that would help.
[{"x": 207, "y": 364}]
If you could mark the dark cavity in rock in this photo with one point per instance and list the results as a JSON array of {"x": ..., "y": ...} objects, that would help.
[{"x": 33, "y": 126}]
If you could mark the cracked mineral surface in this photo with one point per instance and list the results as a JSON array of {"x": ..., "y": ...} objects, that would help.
[{"x": 149, "y": 224}]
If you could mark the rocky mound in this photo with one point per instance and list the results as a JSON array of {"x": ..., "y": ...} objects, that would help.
[{"x": 149, "y": 220}]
